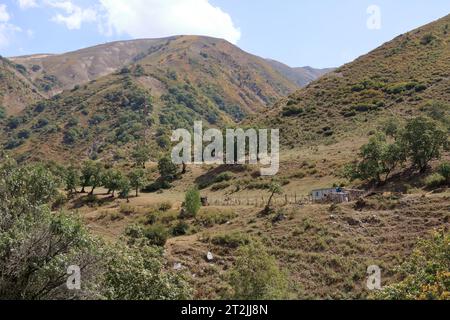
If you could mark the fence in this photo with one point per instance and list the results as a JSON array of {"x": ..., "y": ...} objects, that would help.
[{"x": 258, "y": 202}]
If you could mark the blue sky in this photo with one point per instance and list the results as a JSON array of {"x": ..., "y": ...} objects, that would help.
[{"x": 297, "y": 32}]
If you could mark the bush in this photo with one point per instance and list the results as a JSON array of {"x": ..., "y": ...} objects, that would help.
[
  {"x": 256, "y": 275},
  {"x": 444, "y": 170},
  {"x": 435, "y": 181},
  {"x": 180, "y": 229},
  {"x": 231, "y": 240},
  {"x": 157, "y": 235},
  {"x": 210, "y": 218},
  {"x": 165, "y": 206},
  {"x": 224, "y": 176},
  {"x": 425, "y": 273}
]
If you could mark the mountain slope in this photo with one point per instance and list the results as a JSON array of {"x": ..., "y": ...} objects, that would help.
[
  {"x": 301, "y": 76},
  {"x": 170, "y": 86},
  {"x": 407, "y": 76},
  {"x": 16, "y": 91}
]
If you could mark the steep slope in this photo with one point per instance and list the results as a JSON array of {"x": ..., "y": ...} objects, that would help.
[
  {"x": 16, "y": 91},
  {"x": 407, "y": 76},
  {"x": 301, "y": 76},
  {"x": 54, "y": 73},
  {"x": 185, "y": 79}
]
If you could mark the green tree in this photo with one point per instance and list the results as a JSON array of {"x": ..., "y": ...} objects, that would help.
[
  {"x": 112, "y": 180},
  {"x": 167, "y": 169},
  {"x": 424, "y": 140},
  {"x": 379, "y": 158},
  {"x": 256, "y": 275},
  {"x": 192, "y": 203},
  {"x": 141, "y": 154},
  {"x": 137, "y": 180},
  {"x": 72, "y": 179},
  {"x": 124, "y": 189}
]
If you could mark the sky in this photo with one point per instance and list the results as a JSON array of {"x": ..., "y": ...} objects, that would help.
[{"x": 325, "y": 33}]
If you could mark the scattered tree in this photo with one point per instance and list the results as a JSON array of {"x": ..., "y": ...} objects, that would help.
[
  {"x": 137, "y": 180},
  {"x": 167, "y": 169},
  {"x": 192, "y": 203},
  {"x": 141, "y": 155},
  {"x": 424, "y": 140}
]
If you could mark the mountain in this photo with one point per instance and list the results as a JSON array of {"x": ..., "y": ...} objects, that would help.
[
  {"x": 174, "y": 81},
  {"x": 16, "y": 90},
  {"x": 301, "y": 76},
  {"x": 407, "y": 76}
]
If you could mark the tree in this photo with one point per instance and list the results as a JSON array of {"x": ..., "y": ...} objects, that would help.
[
  {"x": 379, "y": 158},
  {"x": 37, "y": 246},
  {"x": 137, "y": 180},
  {"x": 141, "y": 154},
  {"x": 167, "y": 169},
  {"x": 72, "y": 179},
  {"x": 91, "y": 175},
  {"x": 256, "y": 276},
  {"x": 192, "y": 203},
  {"x": 424, "y": 141},
  {"x": 112, "y": 180},
  {"x": 125, "y": 189},
  {"x": 274, "y": 189}
]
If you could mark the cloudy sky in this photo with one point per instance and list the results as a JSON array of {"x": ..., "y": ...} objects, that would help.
[{"x": 297, "y": 32}]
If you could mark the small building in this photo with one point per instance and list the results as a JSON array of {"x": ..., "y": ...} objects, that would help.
[
  {"x": 322, "y": 195},
  {"x": 335, "y": 195}
]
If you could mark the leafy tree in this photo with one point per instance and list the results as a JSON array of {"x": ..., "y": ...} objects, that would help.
[
  {"x": 124, "y": 189},
  {"x": 72, "y": 179},
  {"x": 424, "y": 141},
  {"x": 141, "y": 155},
  {"x": 256, "y": 275},
  {"x": 137, "y": 180},
  {"x": 167, "y": 169},
  {"x": 378, "y": 160},
  {"x": 37, "y": 246},
  {"x": 91, "y": 175},
  {"x": 112, "y": 180},
  {"x": 192, "y": 203},
  {"x": 425, "y": 273}
]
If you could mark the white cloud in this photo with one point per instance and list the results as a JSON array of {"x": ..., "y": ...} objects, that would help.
[
  {"x": 26, "y": 4},
  {"x": 161, "y": 18},
  {"x": 7, "y": 29},
  {"x": 4, "y": 15},
  {"x": 73, "y": 15}
]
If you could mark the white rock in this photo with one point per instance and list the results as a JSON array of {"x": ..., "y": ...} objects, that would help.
[
  {"x": 209, "y": 256},
  {"x": 177, "y": 266}
]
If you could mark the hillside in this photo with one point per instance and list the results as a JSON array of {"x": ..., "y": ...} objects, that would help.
[
  {"x": 302, "y": 76},
  {"x": 406, "y": 76},
  {"x": 174, "y": 83},
  {"x": 16, "y": 90}
]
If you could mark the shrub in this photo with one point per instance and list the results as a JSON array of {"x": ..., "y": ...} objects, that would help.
[
  {"x": 165, "y": 206},
  {"x": 220, "y": 186},
  {"x": 231, "y": 240},
  {"x": 209, "y": 218},
  {"x": 444, "y": 170},
  {"x": 435, "y": 180},
  {"x": 180, "y": 229},
  {"x": 156, "y": 234},
  {"x": 256, "y": 275},
  {"x": 224, "y": 176},
  {"x": 425, "y": 273}
]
